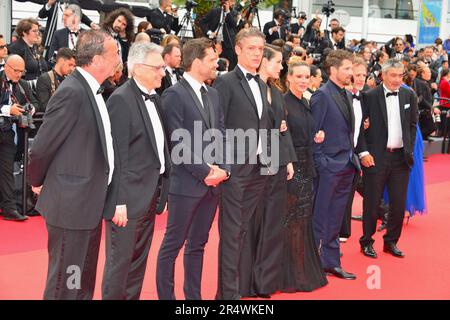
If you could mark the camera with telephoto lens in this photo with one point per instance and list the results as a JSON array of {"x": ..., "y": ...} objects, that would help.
[
  {"x": 190, "y": 4},
  {"x": 25, "y": 120}
]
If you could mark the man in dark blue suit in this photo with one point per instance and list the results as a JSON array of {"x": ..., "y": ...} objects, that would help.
[
  {"x": 191, "y": 111},
  {"x": 334, "y": 159}
]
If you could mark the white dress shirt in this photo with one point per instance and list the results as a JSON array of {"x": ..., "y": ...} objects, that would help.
[
  {"x": 72, "y": 41},
  {"x": 357, "y": 110},
  {"x": 395, "y": 134},
  {"x": 156, "y": 124},
  {"x": 94, "y": 85},
  {"x": 173, "y": 77},
  {"x": 2, "y": 65},
  {"x": 257, "y": 95},
  {"x": 59, "y": 14},
  {"x": 195, "y": 85}
]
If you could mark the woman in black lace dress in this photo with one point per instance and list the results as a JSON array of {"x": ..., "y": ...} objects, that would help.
[{"x": 302, "y": 269}]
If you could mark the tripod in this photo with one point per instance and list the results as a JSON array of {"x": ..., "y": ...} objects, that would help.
[
  {"x": 254, "y": 10},
  {"x": 186, "y": 27}
]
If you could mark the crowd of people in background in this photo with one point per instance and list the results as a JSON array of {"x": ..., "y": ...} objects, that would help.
[{"x": 278, "y": 231}]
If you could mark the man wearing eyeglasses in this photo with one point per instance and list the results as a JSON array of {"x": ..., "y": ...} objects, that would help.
[
  {"x": 143, "y": 170},
  {"x": 12, "y": 98},
  {"x": 3, "y": 52}
]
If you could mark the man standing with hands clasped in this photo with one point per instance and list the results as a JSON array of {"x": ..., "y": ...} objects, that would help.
[
  {"x": 386, "y": 154},
  {"x": 192, "y": 106}
]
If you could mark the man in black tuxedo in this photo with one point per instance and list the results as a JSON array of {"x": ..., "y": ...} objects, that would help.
[
  {"x": 14, "y": 94},
  {"x": 48, "y": 82},
  {"x": 397, "y": 50},
  {"x": 172, "y": 59},
  {"x": 53, "y": 10},
  {"x": 162, "y": 18},
  {"x": 143, "y": 168},
  {"x": 275, "y": 29},
  {"x": 335, "y": 41},
  {"x": 71, "y": 166},
  {"x": 192, "y": 106},
  {"x": 222, "y": 24},
  {"x": 67, "y": 37},
  {"x": 243, "y": 100},
  {"x": 386, "y": 154},
  {"x": 334, "y": 159}
]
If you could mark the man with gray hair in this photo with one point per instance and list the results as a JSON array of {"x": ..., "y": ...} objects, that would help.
[
  {"x": 67, "y": 37},
  {"x": 386, "y": 153},
  {"x": 71, "y": 166},
  {"x": 143, "y": 170}
]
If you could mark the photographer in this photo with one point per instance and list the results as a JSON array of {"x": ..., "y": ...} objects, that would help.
[
  {"x": 275, "y": 29},
  {"x": 15, "y": 98},
  {"x": 163, "y": 18},
  {"x": 222, "y": 24},
  {"x": 298, "y": 28},
  {"x": 313, "y": 37},
  {"x": 50, "y": 81}
]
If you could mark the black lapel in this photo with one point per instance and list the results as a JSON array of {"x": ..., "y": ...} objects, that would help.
[
  {"x": 211, "y": 109},
  {"x": 352, "y": 112},
  {"x": 246, "y": 87},
  {"x": 94, "y": 106},
  {"x": 382, "y": 103},
  {"x": 337, "y": 97},
  {"x": 198, "y": 104},
  {"x": 265, "y": 102},
  {"x": 145, "y": 115},
  {"x": 166, "y": 141},
  {"x": 402, "y": 100}
]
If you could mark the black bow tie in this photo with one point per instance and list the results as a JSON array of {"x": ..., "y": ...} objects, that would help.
[
  {"x": 100, "y": 90},
  {"x": 395, "y": 93},
  {"x": 75, "y": 33},
  {"x": 357, "y": 97},
  {"x": 250, "y": 76},
  {"x": 146, "y": 96}
]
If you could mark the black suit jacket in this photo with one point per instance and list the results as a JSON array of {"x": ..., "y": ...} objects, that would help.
[
  {"x": 44, "y": 90},
  {"x": 4, "y": 98},
  {"x": 158, "y": 21},
  {"x": 60, "y": 40},
  {"x": 183, "y": 110},
  {"x": 34, "y": 68},
  {"x": 423, "y": 91},
  {"x": 240, "y": 112},
  {"x": 166, "y": 82},
  {"x": 69, "y": 158},
  {"x": 375, "y": 137},
  {"x": 51, "y": 24},
  {"x": 275, "y": 35},
  {"x": 210, "y": 22},
  {"x": 136, "y": 182}
]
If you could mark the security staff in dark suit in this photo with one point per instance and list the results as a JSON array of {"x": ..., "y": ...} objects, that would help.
[
  {"x": 14, "y": 94},
  {"x": 334, "y": 159},
  {"x": 163, "y": 19},
  {"x": 68, "y": 36},
  {"x": 194, "y": 187},
  {"x": 172, "y": 58},
  {"x": 386, "y": 155},
  {"x": 72, "y": 158},
  {"x": 242, "y": 98},
  {"x": 143, "y": 164},
  {"x": 53, "y": 10},
  {"x": 222, "y": 24},
  {"x": 275, "y": 29},
  {"x": 48, "y": 82}
]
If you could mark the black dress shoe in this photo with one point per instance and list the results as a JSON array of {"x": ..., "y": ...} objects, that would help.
[
  {"x": 264, "y": 295},
  {"x": 13, "y": 216},
  {"x": 33, "y": 213},
  {"x": 368, "y": 251},
  {"x": 357, "y": 218},
  {"x": 338, "y": 272},
  {"x": 392, "y": 249}
]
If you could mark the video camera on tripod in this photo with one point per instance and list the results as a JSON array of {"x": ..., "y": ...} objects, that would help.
[{"x": 328, "y": 8}]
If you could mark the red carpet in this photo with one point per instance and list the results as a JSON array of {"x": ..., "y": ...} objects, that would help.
[{"x": 423, "y": 274}]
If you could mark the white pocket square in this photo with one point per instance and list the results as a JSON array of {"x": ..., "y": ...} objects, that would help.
[{"x": 407, "y": 106}]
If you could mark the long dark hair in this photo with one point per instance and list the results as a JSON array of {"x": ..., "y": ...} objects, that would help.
[{"x": 109, "y": 21}]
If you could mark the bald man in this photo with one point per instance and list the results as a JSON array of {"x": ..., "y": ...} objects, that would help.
[{"x": 14, "y": 94}]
